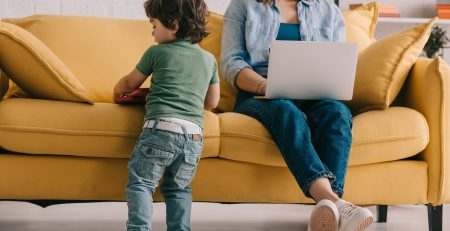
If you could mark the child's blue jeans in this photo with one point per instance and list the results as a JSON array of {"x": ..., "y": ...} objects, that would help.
[{"x": 161, "y": 153}]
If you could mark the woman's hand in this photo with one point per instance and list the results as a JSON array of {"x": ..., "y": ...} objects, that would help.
[
  {"x": 248, "y": 80},
  {"x": 261, "y": 87}
]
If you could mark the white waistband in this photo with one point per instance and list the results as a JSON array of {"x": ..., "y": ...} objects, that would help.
[
  {"x": 180, "y": 121},
  {"x": 164, "y": 124}
]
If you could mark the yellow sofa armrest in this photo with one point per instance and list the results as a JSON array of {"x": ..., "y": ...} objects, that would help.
[{"x": 427, "y": 90}]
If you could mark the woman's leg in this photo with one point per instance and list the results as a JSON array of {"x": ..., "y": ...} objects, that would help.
[
  {"x": 331, "y": 131},
  {"x": 331, "y": 123},
  {"x": 289, "y": 129},
  {"x": 321, "y": 189}
]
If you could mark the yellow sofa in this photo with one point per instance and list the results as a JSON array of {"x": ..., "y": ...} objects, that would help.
[{"x": 63, "y": 150}]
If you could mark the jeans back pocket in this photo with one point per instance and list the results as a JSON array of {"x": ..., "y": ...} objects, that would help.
[
  {"x": 153, "y": 161},
  {"x": 188, "y": 166}
]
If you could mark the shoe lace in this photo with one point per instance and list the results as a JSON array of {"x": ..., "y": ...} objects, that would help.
[{"x": 347, "y": 210}]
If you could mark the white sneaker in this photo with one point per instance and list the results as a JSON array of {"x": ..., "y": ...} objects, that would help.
[
  {"x": 352, "y": 217},
  {"x": 324, "y": 217}
]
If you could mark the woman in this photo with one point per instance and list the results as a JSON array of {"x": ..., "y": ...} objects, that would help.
[{"x": 314, "y": 136}]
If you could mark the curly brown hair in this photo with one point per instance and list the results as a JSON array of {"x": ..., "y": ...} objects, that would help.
[{"x": 190, "y": 14}]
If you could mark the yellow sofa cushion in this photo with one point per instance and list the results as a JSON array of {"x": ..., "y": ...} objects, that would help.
[
  {"x": 10, "y": 89},
  {"x": 218, "y": 180},
  {"x": 378, "y": 136},
  {"x": 66, "y": 128},
  {"x": 98, "y": 51},
  {"x": 4, "y": 84},
  {"x": 361, "y": 23},
  {"x": 35, "y": 68},
  {"x": 360, "y": 28},
  {"x": 14, "y": 91},
  {"x": 383, "y": 67}
]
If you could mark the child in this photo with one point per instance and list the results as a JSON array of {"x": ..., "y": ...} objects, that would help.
[{"x": 184, "y": 81}]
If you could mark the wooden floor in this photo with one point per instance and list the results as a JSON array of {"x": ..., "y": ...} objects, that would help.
[{"x": 111, "y": 216}]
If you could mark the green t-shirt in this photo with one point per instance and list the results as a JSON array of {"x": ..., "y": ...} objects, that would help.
[{"x": 181, "y": 74}]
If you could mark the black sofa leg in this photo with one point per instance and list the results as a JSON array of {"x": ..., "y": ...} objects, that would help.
[
  {"x": 46, "y": 203},
  {"x": 382, "y": 213},
  {"x": 435, "y": 217}
]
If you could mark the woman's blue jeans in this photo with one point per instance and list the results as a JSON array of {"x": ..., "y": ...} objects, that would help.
[{"x": 314, "y": 136}]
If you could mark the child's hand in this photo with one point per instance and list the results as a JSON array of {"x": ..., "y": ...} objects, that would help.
[
  {"x": 125, "y": 86},
  {"x": 140, "y": 92},
  {"x": 135, "y": 97}
]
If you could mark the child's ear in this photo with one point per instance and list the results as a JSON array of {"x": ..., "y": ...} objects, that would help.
[{"x": 177, "y": 26}]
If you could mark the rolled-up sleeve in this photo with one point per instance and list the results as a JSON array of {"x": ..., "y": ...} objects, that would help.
[{"x": 234, "y": 49}]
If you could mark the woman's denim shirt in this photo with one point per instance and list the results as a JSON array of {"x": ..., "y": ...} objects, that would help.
[{"x": 250, "y": 27}]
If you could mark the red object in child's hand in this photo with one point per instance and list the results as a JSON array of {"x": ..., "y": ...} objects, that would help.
[{"x": 135, "y": 97}]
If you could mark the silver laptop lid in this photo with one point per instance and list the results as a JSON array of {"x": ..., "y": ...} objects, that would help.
[{"x": 311, "y": 70}]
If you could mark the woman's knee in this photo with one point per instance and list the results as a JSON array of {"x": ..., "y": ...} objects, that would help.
[
  {"x": 268, "y": 106},
  {"x": 285, "y": 108},
  {"x": 279, "y": 105},
  {"x": 336, "y": 108},
  {"x": 272, "y": 111}
]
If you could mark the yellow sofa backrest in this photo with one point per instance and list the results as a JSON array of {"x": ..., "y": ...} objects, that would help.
[{"x": 99, "y": 51}]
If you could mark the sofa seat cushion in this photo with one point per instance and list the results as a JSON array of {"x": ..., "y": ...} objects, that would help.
[
  {"x": 36, "y": 126},
  {"x": 378, "y": 136}
]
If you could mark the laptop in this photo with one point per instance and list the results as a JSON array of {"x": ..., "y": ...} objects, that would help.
[{"x": 311, "y": 70}]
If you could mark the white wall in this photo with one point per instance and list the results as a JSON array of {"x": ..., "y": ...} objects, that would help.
[
  {"x": 133, "y": 8},
  {"x": 104, "y": 8}
]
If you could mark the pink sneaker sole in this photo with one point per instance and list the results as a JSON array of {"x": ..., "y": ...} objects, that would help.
[{"x": 323, "y": 219}]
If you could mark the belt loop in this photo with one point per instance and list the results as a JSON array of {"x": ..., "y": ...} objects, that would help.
[
  {"x": 185, "y": 131},
  {"x": 155, "y": 124},
  {"x": 146, "y": 123}
]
